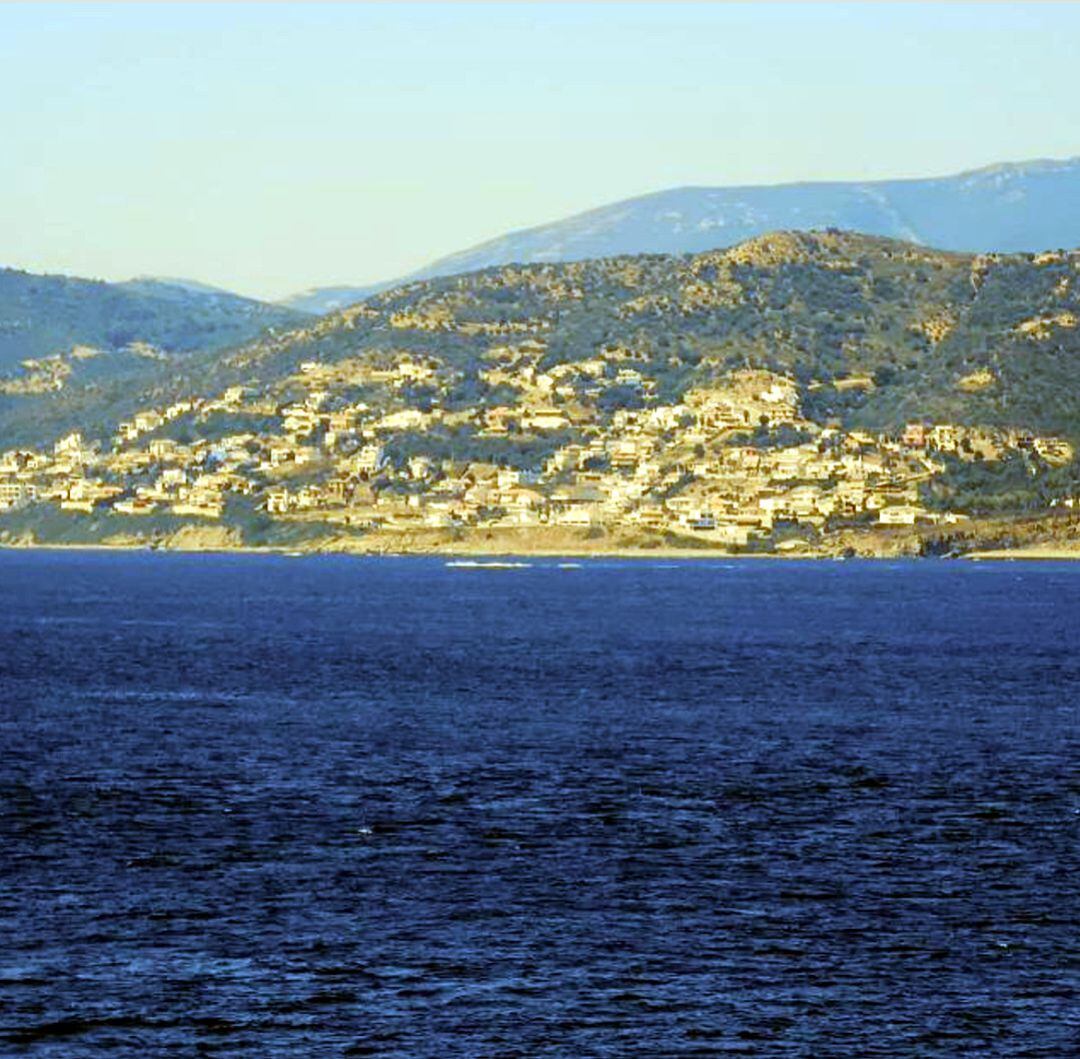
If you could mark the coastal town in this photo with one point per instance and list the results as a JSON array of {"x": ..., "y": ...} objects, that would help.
[{"x": 373, "y": 445}]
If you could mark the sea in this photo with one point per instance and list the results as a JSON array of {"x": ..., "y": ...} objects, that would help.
[{"x": 264, "y": 807}]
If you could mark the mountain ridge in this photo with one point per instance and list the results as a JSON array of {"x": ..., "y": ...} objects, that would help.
[{"x": 1003, "y": 207}]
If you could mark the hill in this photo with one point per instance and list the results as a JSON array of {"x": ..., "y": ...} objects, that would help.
[
  {"x": 45, "y": 316},
  {"x": 798, "y": 390},
  {"x": 175, "y": 286},
  {"x": 819, "y": 306},
  {"x": 1002, "y": 208}
]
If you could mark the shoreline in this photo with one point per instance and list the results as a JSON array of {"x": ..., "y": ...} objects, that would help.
[
  {"x": 422, "y": 553},
  {"x": 1026, "y": 553},
  {"x": 1042, "y": 538},
  {"x": 1029, "y": 540}
]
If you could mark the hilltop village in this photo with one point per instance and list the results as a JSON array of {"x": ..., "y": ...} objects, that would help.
[{"x": 364, "y": 447}]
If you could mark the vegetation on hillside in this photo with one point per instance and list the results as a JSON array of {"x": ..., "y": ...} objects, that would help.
[
  {"x": 48, "y": 316},
  {"x": 876, "y": 332}
]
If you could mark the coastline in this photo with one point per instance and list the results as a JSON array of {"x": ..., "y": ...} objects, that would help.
[
  {"x": 389, "y": 553},
  {"x": 1028, "y": 553},
  {"x": 1032, "y": 540},
  {"x": 1032, "y": 553}
]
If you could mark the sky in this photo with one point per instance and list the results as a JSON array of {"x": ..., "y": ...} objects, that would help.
[{"x": 269, "y": 148}]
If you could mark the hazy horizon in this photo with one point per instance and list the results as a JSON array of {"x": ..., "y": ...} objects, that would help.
[{"x": 272, "y": 148}]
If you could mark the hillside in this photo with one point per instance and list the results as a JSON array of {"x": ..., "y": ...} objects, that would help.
[
  {"x": 820, "y": 306},
  {"x": 45, "y": 316},
  {"x": 798, "y": 390},
  {"x": 1003, "y": 208}
]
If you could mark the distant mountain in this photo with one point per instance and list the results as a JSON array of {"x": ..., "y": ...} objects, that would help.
[
  {"x": 44, "y": 316},
  {"x": 321, "y": 300},
  {"x": 1004, "y": 208},
  {"x": 162, "y": 284}
]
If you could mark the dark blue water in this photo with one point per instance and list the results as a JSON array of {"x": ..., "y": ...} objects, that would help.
[{"x": 262, "y": 807}]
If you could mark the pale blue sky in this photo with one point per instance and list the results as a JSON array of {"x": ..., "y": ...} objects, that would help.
[{"x": 271, "y": 147}]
